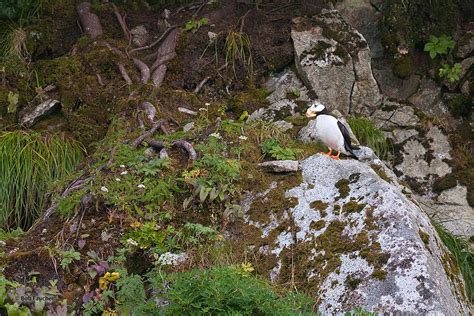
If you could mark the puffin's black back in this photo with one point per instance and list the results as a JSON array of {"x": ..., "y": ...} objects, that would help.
[{"x": 347, "y": 139}]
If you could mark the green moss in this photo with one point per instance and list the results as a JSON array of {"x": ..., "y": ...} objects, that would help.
[
  {"x": 461, "y": 105},
  {"x": 343, "y": 187},
  {"x": 403, "y": 67},
  {"x": 319, "y": 205},
  {"x": 425, "y": 237},
  {"x": 352, "y": 283},
  {"x": 379, "y": 274},
  {"x": 337, "y": 209},
  {"x": 380, "y": 172},
  {"x": 317, "y": 225},
  {"x": 250, "y": 100},
  {"x": 353, "y": 207}
]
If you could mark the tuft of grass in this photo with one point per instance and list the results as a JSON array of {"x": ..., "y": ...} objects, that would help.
[
  {"x": 461, "y": 253},
  {"x": 238, "y": 50},
  {"x": 30, "y": 163},
  {"x": 15, "y": 16},
  {"x": 369, "y": 135}
]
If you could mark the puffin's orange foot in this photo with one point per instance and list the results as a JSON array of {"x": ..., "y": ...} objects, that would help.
[
  {"x": 336, "y": 157},
  {"x": 328, "y": 153}
]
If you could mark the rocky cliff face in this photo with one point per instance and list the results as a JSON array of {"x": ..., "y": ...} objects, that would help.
[{"x": 356, "y": 239}]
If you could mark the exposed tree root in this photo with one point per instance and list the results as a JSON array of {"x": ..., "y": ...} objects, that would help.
[
  {"x": 165, "y": 33},
  {"x": 144, "y": 70},
  {"x": 90, "y": 22},
  {"x": 149, "y": 109},
  {"x": 166, "y": 51},
  {"x": 159, "y": 75},
  {"x": 99, "y": 80},
  {"x": 124, "y": 74},
  {"x": 186, "y": 146},
  {"x": 148, "y": 134},
  {"x": 122, "y": 22}
]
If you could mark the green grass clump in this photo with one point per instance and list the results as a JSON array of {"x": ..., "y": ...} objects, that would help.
[
  {"x": 30, "y": 163},
  {"x": 225, "y": 291},
  {"x": 369, "y": 135},
  {"x": 463, "y": 256}
]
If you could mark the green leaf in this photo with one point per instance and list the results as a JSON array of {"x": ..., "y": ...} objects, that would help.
[{"x": 203, "y": 193}]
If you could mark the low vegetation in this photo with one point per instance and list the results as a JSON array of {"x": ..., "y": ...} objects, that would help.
[
  {"x": 31, "y": 162},
  {"x": 462, "y": 254},
  {"x": 369, "y": 135}
]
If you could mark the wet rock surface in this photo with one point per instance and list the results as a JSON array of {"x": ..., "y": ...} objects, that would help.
[{"x": 358, "y": 241}]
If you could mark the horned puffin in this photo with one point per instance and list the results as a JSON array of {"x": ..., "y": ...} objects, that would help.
[{"x": 331, "y": 131}]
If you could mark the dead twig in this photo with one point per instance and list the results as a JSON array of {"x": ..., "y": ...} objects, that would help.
[
  {"x": 165, "y": 33},
  {"x": 122, "y": 23},
  {"x": 144, "y": 70},
  {"x": 242, "y": 21},
  {"x": 99, "y": 80},
  {"x": 203, "y": 4},
  {"x": 205, "y": 80}
]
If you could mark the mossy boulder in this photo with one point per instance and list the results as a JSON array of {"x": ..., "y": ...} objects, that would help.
[{"x": 352, "y": 239}]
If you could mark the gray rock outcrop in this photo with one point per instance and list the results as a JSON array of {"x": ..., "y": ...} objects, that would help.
[
  {"x": 352, "y": 236},
  {"x": 333, "y": 59},
  {"x": 29, "y": 118}
]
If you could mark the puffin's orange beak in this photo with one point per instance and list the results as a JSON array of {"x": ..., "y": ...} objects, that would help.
[{"x": 310, "y": 113}]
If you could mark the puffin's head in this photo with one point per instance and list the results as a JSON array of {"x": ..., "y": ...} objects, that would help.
[{"x": 315, "y": 109}]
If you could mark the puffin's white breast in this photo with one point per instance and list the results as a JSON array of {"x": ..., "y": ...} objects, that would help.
[{"x": 329, "y": 133}]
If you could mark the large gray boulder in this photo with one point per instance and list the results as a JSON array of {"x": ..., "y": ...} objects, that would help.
[
  {"x": 333, "y": 59},
  {"x": 348, "y": 234}
]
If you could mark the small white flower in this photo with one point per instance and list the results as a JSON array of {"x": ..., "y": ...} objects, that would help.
[
  {"x": 2, "y": 243},
  {"x": 207, "y": 104},
  {"x": 122, "y": 166},
  {"x": 117, "y": 179},
  {"x": 123, "y": 173},
  {"x": 141, "y": 186},
  {"x": 44, "y": 231},
  {"x": 169, "y": 258},
  {"x": 132, "y": 242},
  {"x": 242, "y": 137},
  {"x": 212, "y": 36},
  {"x": 104, "y": 189},
  {"x": 202, "y": 109},
  {"x": 216, "y": 135}
]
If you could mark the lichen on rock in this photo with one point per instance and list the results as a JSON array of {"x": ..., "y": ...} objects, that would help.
[{"x": 353, "y": 239}]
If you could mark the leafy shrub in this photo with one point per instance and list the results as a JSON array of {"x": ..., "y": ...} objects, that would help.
[
  {"x": 439, "y": 45},
  {"x": 30, "y": 162},
  {"x": 452, "y": 73},
  {"x": 369, "y": 135},
  {"x": 195, "y": 25},
  {"x": 272, "y": 148},
  {"x": 223, "y": 291}
]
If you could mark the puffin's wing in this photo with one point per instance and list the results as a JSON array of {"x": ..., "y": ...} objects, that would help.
[{"x": 345, "y": 134}]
